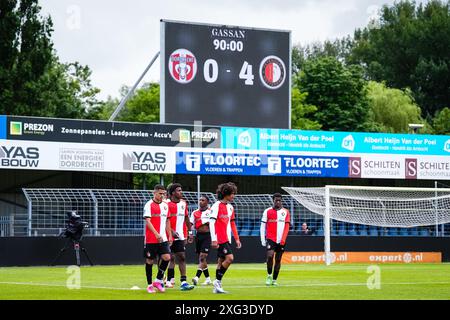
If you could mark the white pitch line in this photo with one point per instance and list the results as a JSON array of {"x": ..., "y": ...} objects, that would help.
[
  {"x": 236, "y": 287},
  {"x": 338, "y": 284},
  {"x": 61, "y": 285}
]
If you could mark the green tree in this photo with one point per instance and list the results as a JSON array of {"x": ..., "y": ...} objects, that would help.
[
  {"x": 103, "y": 109},
  {"x": 391, "y": 110},
  {"x": 32, "y": 80},
  {"x": 143, "y": 106},
  {"x": 302, "y": 112},
  {"x": 338, "y": 48},
  {"x": 441, "y": 123},
  {"x": 338, "y": 92},
  {"x": 409, "y": 48}
]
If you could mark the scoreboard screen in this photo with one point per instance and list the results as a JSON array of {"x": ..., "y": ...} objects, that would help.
[{"x": 225, "y": 75}]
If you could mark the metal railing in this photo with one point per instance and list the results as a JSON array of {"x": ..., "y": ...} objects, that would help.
[{"x": 119, "y": 212}]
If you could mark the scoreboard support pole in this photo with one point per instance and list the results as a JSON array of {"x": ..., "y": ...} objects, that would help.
[
  {"x": 198, "y": 190},
  {"x": 130, "y": 93}
]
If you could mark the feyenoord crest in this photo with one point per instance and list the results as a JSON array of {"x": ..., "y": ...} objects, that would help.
[
  {"x": 272, "y": 72},
  {"x": 182, "y": 66}
]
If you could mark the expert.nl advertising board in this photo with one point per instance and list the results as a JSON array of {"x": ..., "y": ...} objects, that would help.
[{"x": 362, "y": 257}]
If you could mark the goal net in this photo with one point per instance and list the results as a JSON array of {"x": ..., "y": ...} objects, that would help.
[{"x": 376, "y": 206}]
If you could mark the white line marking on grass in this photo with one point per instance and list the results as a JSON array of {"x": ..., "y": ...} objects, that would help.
[
  {"x": 236, "y": 287},
  {"x": 336, "y": 284},
  {"x": 61, "y": 285}
]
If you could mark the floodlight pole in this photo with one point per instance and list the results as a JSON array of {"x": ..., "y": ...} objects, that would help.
[{"x": 130, "y": 93}]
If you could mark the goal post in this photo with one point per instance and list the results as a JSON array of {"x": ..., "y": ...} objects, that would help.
[
  {"x": 327, "y": 227},
  {"x": 374, "y": 206}
]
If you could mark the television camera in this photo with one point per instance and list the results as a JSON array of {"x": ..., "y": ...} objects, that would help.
[
  {"x": 74, "y": 233},
  {"x": 74, "y": 226}
]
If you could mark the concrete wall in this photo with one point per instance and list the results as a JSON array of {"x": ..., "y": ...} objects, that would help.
[{"x": 40, "y": 251}]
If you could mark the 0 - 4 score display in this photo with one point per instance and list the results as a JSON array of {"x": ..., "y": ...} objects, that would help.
[
  {"x": 225, "y": 75},
  {"x": 183, "y": 67}
]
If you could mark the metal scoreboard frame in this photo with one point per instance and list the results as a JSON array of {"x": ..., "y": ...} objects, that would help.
[{"x": 225, "y": 75}]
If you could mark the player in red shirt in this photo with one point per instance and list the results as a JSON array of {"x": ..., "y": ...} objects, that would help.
[
  {"x": 157, "y": 238},
  {"x": 200, "y": 224},
  {"x": 275, "y": 224},
  {"x": 180, "y": 224},
  {"x": 222, "y": 223}
]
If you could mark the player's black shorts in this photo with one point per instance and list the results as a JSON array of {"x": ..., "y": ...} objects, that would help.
[
  {"x": 202, "y": 242},
  {"x": 224, "y": 249},
  {"x": 178, "y": 246},
  {"x": 272, "y": 245},
  {"x": 152, "y": 250}
]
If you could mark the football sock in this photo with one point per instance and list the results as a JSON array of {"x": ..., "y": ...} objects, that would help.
[
  {"x": 269, "y": 269},
  {"x": 148, "y": 273},
  {"x": 183, "y": 279},
  {"x": 206, "y": 272},
  {"x": 170, "y": 274},
  {"x": 275, "y": 272},
  {"x": 199, "y": 273},
  {"x": 162, "y": 269},
  {"x": 269, "y": 265},
  {"x": 220, "y": 272}
]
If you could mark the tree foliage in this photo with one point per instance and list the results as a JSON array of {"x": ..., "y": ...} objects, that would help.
[
  {"x": 338, "y": 48},
  {"x": 409, "y": 48},
  {"x": 338, "y": 92},
  {"x": 391, "y": 110},
  {"x": 302, "y": 112},
  {"x": 441, "y": 122},
  {"x": 33, "y": 81},
  {"x": 143, "y": 106}
]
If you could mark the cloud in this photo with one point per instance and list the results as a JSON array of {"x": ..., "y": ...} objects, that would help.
[{"x": 117, "y": 39}]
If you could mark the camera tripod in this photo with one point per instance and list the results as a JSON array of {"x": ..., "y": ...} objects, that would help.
[{"x": 77, "y": 246}]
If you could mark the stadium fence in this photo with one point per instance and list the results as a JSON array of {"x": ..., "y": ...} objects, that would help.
[{"x": 119, "y": 213}]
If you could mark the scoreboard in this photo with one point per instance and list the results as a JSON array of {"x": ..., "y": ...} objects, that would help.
[{"x": 225, "y": 75}]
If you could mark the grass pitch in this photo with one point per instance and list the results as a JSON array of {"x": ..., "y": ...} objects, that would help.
[{"x": 243, "y": 281}]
